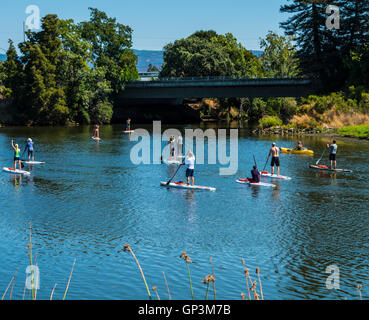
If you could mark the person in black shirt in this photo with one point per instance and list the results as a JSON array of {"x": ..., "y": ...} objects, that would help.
[{"x": 255, "y": 175}]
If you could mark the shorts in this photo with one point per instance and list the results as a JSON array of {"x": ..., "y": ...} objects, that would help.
[
  {"x": 332, "y": 157},
  {"x": 30, "y": 153},
  {"x": 275, "y": 161},
  {"x": 16, "y": 158},
  {"x": 189, "y": 173}
]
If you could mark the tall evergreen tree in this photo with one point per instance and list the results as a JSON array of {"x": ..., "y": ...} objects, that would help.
[
  {"x": 318, "y": 46},
  {"x": 44, "y": 97}
]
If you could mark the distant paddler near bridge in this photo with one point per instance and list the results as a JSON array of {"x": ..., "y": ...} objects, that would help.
[
  {"x": 128, "y": 126},
  {"x": 96, "y": 135}
]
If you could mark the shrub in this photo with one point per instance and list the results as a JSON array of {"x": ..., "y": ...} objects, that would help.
[{"x": 270, "y": 121}]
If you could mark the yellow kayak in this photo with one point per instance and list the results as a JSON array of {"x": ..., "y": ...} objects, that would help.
[{"x": 308, "y": 152}]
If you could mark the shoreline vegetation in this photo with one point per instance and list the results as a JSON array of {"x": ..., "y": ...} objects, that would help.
[{"x": 72, "y": 73}]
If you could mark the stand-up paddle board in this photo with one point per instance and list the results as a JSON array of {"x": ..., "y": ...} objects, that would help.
[
  {"x": 274, "y": 176},
  {"x": 325, "y": 168},
  {"x": 183, "y": 185},
  {"x": 129, "y": 131},
  {"x": 95, "y": 138},
  {"x": 34, "y": 162},
  {"x": 261, "y": 184},
  {"x": 172, "y": 161},
  {"x": 12, "y": 171}
]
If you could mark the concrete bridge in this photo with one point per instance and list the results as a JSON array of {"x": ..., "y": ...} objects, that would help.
[{"x": 173, "y": 91}]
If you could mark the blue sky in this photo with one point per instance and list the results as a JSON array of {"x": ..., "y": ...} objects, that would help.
[{"x": 156, "y": 23}]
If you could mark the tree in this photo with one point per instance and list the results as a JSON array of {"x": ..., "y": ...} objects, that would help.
[
  {"x": 279, "y": 58},
  {"x": 318, "y": 46},
  {"x": 43, "y": 100},
  {"x": 111, "y": 43},
  {"x": 205, "y": 53},
  {"x": 12, "y": 72}
]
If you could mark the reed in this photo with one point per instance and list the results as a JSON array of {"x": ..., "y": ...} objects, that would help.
[
  {"x": 128, "y": 248},
  {"x": 70, "y": 276},
  {"x": 166, "y": 285},
  {"x": 52, "y": 292},
  {"x": 359, "y": 286},
  {"x": 10, "y": 283},
  {"x": 212, "y": 272},
  {"x": 207, "y": 280},
  {"x": 11, "y": 291},
  {"x": 31, "y": 264},
  {"x": 155, "y": 289},
  {"x": 246, "y": 276},
  {"x": 261, "y": 288},
  {"x": 187, "y": 258}
]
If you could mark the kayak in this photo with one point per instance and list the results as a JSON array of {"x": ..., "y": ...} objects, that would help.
[
  {"x": 186, "y": 186},
  {"x": 269, "y": 175},
  {"x": 325, "y": 168},
  {"x": 294, "y": 151},
  {"x": 95, "y": 138},
  {"x": 21, "y": 172},
  {"x": 261, "y": 184},
  {"x": 129, "y": 131},
  {"x": 34, "y": 162}
]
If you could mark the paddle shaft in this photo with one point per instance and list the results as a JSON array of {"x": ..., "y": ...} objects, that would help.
[
  {"x": 179, "y": 167},
  {"x": 325, "y": 149},
  {"x": 266, "y": 163}
]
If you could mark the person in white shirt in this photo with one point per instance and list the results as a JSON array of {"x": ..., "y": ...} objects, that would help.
[
  {"x": 190, "y": 163},
  {"x": 179, "y": 146}
]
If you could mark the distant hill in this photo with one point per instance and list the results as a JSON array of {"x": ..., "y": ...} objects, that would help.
[{"x": 145, "y": 57}]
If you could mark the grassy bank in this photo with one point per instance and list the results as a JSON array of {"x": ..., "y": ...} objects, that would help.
[{"x": 361, "y": 131}]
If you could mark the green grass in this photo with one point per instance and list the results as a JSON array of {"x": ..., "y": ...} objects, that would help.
[{"x": 361, "y": 131}]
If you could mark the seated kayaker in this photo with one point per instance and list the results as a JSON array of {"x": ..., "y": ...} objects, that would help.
[
  {"x": 299, "y": 146},
  {"x": 255, "y": 175}
]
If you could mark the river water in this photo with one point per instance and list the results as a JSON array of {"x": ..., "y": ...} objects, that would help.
[{"x": 88, "y": 200}]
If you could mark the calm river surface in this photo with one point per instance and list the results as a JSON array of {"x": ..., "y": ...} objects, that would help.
[{"x": 88, "y": 200}]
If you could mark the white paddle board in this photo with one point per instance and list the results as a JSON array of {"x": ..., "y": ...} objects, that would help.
[{"x": 12, "y": 171}]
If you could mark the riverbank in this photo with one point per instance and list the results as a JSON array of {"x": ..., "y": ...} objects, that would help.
[{"x": 356, "y": 132}]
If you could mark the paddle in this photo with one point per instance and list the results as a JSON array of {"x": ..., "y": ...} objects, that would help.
[
  {"x": 183, "y": 161},
  {"x": 266, "y": 163},
  {"x": 325, "y": 149}
]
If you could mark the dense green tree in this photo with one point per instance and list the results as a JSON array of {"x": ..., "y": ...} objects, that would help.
[
  {"x": 111, "y": 43},
  {"x": 205, "y": 53},
  {"x": 316, "y": 43},
  {"x": 279, "y": 58},
  {"x": 43, "y": 99}
]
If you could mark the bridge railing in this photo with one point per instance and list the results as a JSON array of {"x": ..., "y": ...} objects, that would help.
[{"x": 220, "y": 78}]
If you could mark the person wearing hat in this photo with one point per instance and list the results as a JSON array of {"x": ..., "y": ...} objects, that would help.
[
  {"x": 29, "y": 148},
  {"x": 17, "y": 156},
  {"x": 274, "y": 152}
]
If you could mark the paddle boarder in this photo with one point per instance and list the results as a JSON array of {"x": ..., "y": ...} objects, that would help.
[
  {"x": 255, "y": 173},
  {"x": 29, "y": 148},
  {"x": 180, "y": 146},
  {"x": 128, "y": 125},
  {"x": 97, "y": 131},
  {"x": 190, "y": 164},
  {"x": 274, "y": 152},
  {"x": 17, "y": 156},
  {"x": 333, "y": 152},
  {"x": 172, "y": 148}
]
